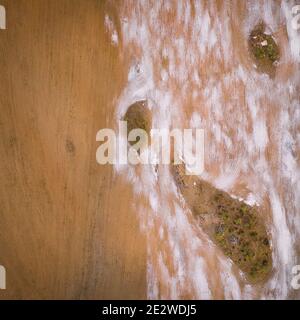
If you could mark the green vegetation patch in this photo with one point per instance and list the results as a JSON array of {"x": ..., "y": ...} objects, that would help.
[
  {"x": 138, "y": 116},
  {"x": 242, "y": 236},
  {"x": 233, "y": 225},
  {"x": 264, "y": 49}
]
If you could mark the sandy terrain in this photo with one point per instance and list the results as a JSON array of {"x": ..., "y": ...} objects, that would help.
[
  {"x": 66, "y": 223},
  {"x": 71, "y": 228}
]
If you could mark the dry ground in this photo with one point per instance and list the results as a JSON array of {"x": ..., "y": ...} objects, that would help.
[{"x": 67, "y": 227}]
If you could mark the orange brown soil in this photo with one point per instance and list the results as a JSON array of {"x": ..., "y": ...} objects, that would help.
[
  {"x": 232, "y": 224},
  {"x": 63, "y": 234},
  {"x": 68, "y": 228}
]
